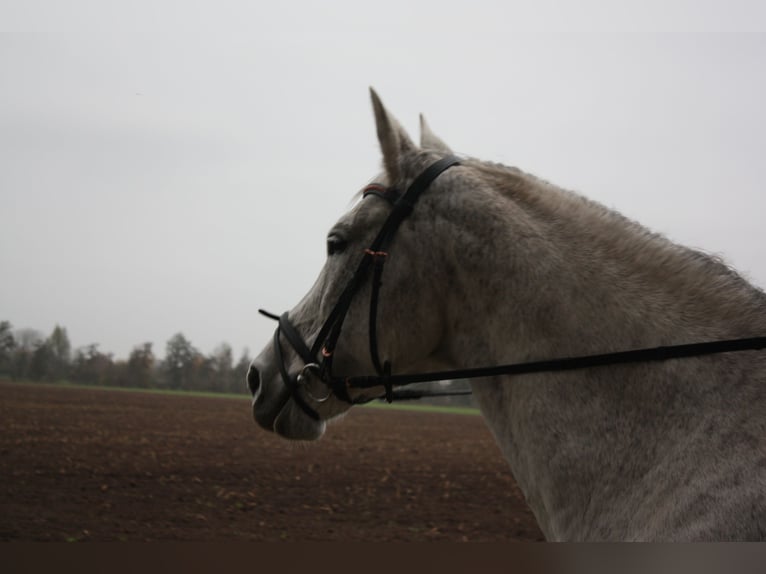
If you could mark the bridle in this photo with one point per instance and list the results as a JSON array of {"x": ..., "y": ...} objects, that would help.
[
  {"x": 318, "y": 357},
  {"x": 374, "y": 258}
]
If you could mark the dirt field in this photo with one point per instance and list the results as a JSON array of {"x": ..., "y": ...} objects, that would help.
[{"x": 109, "y": 465}]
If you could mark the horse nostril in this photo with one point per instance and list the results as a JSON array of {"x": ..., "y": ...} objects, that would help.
[{"x": 253, "y": 380}]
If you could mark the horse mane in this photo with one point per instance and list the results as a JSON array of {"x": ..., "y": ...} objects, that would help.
[{"x": 541, "y": 196}]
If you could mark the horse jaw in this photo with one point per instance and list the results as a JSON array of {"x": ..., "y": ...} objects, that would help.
[{"x": 283, "y": 417}]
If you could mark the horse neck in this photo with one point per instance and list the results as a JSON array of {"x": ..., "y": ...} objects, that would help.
[{"x": 568, "y": 276}]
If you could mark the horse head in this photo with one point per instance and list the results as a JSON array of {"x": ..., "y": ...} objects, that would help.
[{"x": 287, "y": 379}]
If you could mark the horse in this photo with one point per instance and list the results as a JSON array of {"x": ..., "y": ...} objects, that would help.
[{"x": 495, "y": 265}]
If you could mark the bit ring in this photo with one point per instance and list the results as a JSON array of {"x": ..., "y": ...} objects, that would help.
[{"x": 302, "y": 380}]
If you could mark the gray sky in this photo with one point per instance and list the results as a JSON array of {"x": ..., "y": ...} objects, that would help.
[{"x": 173, "y": 166}]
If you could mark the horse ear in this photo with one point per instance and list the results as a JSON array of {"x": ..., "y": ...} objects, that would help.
[
  {"x": 429, "y": 140},
  {"x": 394, "y": 141}
]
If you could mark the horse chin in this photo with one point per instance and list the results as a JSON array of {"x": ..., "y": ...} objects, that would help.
[
  {"x": 277, "y": 412},
  {"x": 292, "y": 423}
]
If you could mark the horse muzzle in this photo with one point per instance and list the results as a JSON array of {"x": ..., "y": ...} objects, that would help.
[{"x": 273, "y": 407}]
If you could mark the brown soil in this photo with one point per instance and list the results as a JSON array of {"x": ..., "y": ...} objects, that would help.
[{"x": 108, "y": 465}]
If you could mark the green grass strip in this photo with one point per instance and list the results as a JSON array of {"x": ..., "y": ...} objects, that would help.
[
  {"x": 209, "y": 394},
  {"x": 184, "y": 393},
  {"x": 424, "y": 408}
]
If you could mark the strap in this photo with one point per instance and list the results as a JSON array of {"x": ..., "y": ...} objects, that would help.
[
  {"x": 373, "y": 321},
  {"x": 412, "y": 394},
  {"x": 567, "y": 364},
  {"x": 289, "y": 381},
  {"x": 426, "y": 177},
  {"x": 409, "y": 395},
  {"x": 295, "y": 339},
  {"x": 330, "y": 331}
]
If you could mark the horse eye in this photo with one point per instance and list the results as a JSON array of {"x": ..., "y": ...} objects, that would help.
[{"x": 335, "y": 244}]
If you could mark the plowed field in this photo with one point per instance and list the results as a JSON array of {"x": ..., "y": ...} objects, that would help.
[{"x": 92, "y": 464}]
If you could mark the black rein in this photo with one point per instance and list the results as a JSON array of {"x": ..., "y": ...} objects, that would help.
[{"x": 652, "y": 354}]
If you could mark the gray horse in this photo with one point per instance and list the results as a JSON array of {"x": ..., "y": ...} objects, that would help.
[{"x": 496, "y": 266}]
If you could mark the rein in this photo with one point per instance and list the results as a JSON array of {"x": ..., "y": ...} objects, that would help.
[
  {"x": 374, "y": 258},
  {"x": 653, "y": 354}
]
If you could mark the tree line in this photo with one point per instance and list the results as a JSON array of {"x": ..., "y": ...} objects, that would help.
[{"x": 27, "y": 354}]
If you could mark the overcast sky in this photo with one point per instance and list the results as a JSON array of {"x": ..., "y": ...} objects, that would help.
[{"x": 173, "y": 166}]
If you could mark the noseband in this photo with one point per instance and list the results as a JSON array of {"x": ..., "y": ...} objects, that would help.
[{"x": 318, "y": 358}]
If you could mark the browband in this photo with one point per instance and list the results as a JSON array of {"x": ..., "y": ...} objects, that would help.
[{"x": 390, "y": 194}]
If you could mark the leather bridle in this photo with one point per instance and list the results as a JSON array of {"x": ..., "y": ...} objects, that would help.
[
  {"x": 318, "y": 357},
  {"x": 374, "y": 258}
]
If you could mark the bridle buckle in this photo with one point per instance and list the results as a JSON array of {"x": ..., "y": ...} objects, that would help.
[{"x": 302, "y": 380}]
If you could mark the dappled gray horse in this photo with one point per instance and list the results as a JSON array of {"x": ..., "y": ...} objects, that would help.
[{"x": 495, "y": 266}]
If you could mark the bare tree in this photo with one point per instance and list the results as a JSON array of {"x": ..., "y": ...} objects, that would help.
[
  {"x": 179, "y": 362},
  {"x": 222, "y": 362},
  {"x": 140, "y": 366},
  {"x": 28, "y": 339},
  {"x": 92, "y": 366},
  {"x": 60, "y": 354},
  {"x": 7, "y": 346}
]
